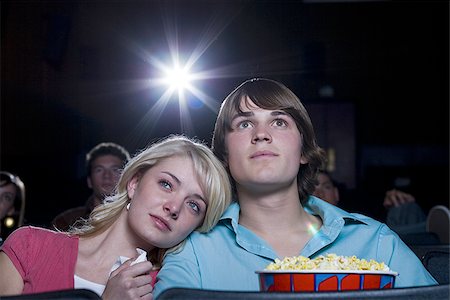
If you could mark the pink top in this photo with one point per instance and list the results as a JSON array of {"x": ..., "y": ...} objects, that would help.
[{"x": 45, "y": 259}]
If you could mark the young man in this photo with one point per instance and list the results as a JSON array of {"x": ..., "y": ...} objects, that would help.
[
  {"x": 103, "y": 166},
  {"x": 265, "y": 138}
]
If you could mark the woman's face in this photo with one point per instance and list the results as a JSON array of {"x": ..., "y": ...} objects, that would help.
[
  {"x": 7, "y": 196},
  {"x": 167, "y": 202}
]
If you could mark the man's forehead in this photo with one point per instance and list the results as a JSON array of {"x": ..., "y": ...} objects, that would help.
[
  {"x": 246, "y": 104},
  {"x": 107, "y": 159}
]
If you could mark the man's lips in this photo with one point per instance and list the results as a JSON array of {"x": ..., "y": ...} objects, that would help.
[
  {"x": 264, "y": 153},
  {"x": 161, "y": 223}
]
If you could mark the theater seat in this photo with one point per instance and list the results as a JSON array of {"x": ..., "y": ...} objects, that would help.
[
  {"x": 428, "y": 292},
  {"x": 75, "y": 294},
  {"x": 438, "y": 264}
]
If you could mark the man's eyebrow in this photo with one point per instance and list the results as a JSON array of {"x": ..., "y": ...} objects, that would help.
[
  {"x": 278, "y": 113},
  {"x": 242, "y": 114},
  {"x": 250, "y": 113}
]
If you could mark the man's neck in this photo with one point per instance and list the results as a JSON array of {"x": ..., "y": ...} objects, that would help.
[
  {"x": 273, "y": 210},
  {"x": 280, "y": 220}
]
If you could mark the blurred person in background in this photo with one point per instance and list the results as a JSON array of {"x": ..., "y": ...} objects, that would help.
[
  {"x": 12, "y": 203},
  {"x": 401, "y": 207},
  {"x": 104, "y": 164},
  {"x": 404, "y": 215}
]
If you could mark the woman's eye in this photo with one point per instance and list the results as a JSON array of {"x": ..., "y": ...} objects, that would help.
[
  {"x": 7, "y": 197},
  {"x": 195, "y": 207},
  {"x": 165, "y": 184}
]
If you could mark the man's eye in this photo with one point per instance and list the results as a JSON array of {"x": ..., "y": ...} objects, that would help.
[
  {"x": 244, "y": 124},
  {"x": 165, "y": 184},
  {"x": 280, "y": 122}
]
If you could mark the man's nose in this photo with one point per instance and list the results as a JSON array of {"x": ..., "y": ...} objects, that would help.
[{"x": 261, "y": 133}]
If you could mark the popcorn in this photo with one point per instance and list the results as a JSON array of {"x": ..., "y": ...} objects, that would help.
[{"x": 328, "y": 262}]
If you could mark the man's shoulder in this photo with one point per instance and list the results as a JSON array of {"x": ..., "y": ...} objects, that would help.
[{"x": 216, "y": 236}]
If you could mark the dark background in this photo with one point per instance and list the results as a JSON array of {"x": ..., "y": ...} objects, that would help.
[{"x": 75, "y": 73}]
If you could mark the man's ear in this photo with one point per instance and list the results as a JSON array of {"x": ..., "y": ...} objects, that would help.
[
  {"x": 89, "y": 182},
  {"x": 336, "y": 193},
  {"x": 303, "y": 160}
]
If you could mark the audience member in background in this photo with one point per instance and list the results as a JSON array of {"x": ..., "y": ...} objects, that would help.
[
  {"x": 103, "y": 166},
  {"x": 402, "y": 207},
  {"x": 12, "y": 203},
  {"x": 264, "y": 136},
  {"x": 404, "y": 215},
  {"x": 165, "y": 192},
  {"x": 326, "y": 189}
]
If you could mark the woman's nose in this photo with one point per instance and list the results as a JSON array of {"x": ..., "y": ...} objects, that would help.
[{"x": 172, "y": 208}]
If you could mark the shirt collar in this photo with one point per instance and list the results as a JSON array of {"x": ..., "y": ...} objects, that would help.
[
  {"x": 330, "y": 213},
  {"x": 232, "y": 214},
  {"x": 315, "y": 206}
]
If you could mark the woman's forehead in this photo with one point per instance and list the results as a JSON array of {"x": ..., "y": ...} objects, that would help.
[{"x": 10, "y": 187}]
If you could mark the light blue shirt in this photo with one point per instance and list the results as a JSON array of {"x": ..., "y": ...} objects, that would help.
[{"x": 227, "y": 257}]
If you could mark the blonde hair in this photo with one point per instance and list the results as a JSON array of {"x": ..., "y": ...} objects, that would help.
[{"x": 210, "y": 172}]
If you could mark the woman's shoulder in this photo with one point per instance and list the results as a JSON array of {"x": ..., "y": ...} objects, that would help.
[
  {"x": 30, "y": 229},
  {"x": 40, "y": 233}
]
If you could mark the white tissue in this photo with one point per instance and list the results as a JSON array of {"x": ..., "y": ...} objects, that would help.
[{"x": 121, "y": 259}]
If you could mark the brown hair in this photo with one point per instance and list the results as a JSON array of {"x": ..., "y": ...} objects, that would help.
[{"x": 272, "y": 95}]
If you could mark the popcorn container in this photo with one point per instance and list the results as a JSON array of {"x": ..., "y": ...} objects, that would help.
[{"x": 324, "y": 280}]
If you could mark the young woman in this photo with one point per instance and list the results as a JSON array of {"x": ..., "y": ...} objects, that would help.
[
  {"x": 12, "y": 203},
  {"x": 164, "y": 193}
]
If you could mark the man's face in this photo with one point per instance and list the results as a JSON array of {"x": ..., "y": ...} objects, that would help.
[
  {"x": 264, "y": 148},
  {"x": 105, "y": 173},
  {"x": 326, "y": 190}
]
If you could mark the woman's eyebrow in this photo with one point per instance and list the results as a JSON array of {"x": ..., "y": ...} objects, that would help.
[
  {"x": 173, "y": 176},
  {"x": 179, "y": 182}
]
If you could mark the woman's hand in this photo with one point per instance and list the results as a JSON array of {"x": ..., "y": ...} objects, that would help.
[{"x": 130, "y": 282}]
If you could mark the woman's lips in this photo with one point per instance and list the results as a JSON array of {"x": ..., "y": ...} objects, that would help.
[{"x": 161, "y": 223}]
